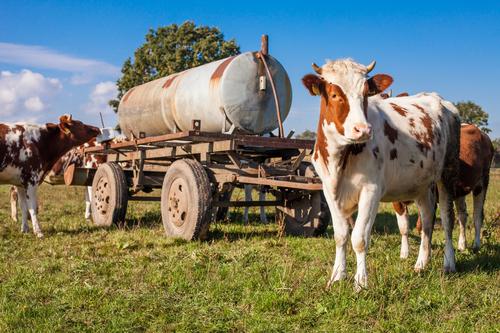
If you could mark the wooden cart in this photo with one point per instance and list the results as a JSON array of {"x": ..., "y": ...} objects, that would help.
[{"x": 197, "y": 171}]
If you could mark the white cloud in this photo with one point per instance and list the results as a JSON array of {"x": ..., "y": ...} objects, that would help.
[
  {"x": 34, "y": 104},
  {"x": 84, "y": 70},
  {"x": 99, "y": 98},
  {"x": 26, "y": 93}
]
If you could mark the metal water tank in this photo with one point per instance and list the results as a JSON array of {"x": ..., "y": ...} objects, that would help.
[{"x": 232, "y": 92}]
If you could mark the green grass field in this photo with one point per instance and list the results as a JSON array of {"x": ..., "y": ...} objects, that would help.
[{"x": 244, "y": 278}]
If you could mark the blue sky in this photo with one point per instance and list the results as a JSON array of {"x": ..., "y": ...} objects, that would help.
[{"x": 63, "y": 56}]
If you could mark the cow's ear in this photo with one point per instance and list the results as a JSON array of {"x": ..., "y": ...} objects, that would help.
[
  {"x": 314, "y": 84},
  {"x": 378, "y": 83},
  {"x": 65, "y": 123}
]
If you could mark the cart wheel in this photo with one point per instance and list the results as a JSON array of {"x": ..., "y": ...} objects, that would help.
[
  {"x": 186, "y": 200},
  {"x": 307, "y": 215},
  {"x": 109, "y": 195}
]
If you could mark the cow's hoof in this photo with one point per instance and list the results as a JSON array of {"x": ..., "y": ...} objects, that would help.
[
  {"x": 39, "y": 234},
  {"x": 25, "y": 230},
  {"x": 420, "y": 266},
  {"x": 403, "y": 254}
]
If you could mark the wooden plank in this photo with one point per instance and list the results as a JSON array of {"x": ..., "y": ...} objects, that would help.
[{"x": 280, "y": 183}]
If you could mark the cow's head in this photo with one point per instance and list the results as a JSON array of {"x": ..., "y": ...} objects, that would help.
[
  {"x": 76, "y": 131},
  {"x": 344, "y": 88}
]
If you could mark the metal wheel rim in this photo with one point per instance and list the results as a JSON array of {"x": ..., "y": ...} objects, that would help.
[
  {"x": 178, "y": 202},
  {"x": 102, "y": 196}
]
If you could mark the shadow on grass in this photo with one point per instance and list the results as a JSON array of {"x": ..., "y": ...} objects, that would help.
[
  {"x": 486, "y": 260},
  {"x": 150, "y": 220}
]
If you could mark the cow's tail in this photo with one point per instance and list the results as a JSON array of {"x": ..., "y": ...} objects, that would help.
[{"x": 450, "y": 175}]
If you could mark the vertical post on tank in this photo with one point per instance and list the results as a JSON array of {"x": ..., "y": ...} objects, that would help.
[{"x": 264, "y": 45}]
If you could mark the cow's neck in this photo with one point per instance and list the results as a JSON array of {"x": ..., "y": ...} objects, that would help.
[{"x": 57, "y": 144}]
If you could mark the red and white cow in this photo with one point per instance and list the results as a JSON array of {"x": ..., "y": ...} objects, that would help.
[
  {"x": 476, "y": 155},
  {"x": 74, "y": 156},
  {"x": 369, "y": 149},
  {"x": 28, "y": 152}
]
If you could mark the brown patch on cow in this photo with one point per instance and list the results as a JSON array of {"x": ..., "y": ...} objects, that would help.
[
  {"x": 127, "y": 95},
  {"x": 412, "y": 160},
  {"x": 411, "y": 122},
  {"x": 349, "y": 150},
  {"x": 399, "y": 109},
  {"x": 334, "y": 109},
  {"x": 393, "y": 154},
  {"x": 403, "y": 94},
  {"x": 384, "y": 95},
  {"x": 375, "y": 152},
  {"x": 476, "y": 154},
  {"x": 169, "y": 81},
  {"x": 334, "y": 106},
  {"x": 422, "y": 164},
  {"x": 390, "y": 132},
  {"x": 219, "y": 71},
  {"x": 399, "y": 207},
  {"x": 424, "y": 139}
]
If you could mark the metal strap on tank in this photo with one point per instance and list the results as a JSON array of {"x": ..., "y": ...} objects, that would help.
[{"x": 262, "y": 56}]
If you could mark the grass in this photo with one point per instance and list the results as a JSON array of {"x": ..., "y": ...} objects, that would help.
[{"x": 244, "y": 278}]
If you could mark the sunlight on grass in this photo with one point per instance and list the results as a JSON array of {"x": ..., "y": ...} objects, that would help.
[{"x": 84, "y": 278}]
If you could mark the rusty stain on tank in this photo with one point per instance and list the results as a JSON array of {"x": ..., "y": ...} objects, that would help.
[
  {"x": 127, "y": 95},
  {"x": 219, "y": 71},
  {"x": 169, "y": 81}
]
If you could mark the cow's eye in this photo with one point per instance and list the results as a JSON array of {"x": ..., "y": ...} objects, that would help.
[{"x": 334, "y": 96}]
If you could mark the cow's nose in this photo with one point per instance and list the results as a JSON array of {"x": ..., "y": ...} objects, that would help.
[{"x": 361, "y": 131}]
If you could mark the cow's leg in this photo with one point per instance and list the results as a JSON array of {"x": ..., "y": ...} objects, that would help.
[
  {"x": 360, "y": 237},
  {"x": 263, "y": 217},
  {"x": 478, "y": 216},
  {"x": 248, "y": 197},
  {"x": 13, "y": 203},
  {"x": 403, "y": 222},
  {"x": 31, "y": 197},
  {"x": 447, "y": 219},
  {"x": 462, "y": 222},
  {"x": 88, "y": 201},
  {"x": 426, "y": 211},
  {"x": 341, "y": 234},
  {"x": 24, "y": 209}
]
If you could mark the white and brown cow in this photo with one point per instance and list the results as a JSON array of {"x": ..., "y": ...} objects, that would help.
[
  {"x": 28, "y": 152},
  {"x": 369, "y": 149},
  {"x": 74, "y": 156},
  {"x": 476, "y": 155}
]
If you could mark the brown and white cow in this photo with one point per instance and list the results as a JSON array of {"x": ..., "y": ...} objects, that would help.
[
  {"x": 28, "y": 152},
  {"x": 74, "y": 156},
  {"x": 476, "y": 155},
  {"x": 366, "y": 153}
]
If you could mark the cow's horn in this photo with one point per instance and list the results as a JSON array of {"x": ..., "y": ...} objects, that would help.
[
  {"x": 370, "y": 67},
  {"x": 316, "y": 68}
]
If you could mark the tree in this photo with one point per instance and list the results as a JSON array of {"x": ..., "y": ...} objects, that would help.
[
  {"x": 496, "y": 144},
  {"x": 472, "y": 113},
  {"x": 172, "y": 49},
  {"x": 307, "y": 134}
]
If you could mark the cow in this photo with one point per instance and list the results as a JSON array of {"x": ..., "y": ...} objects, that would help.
[
  {"x": 74, "y": 156},
  {"x": 476, "y": 156},
  {"x": 28, "y": 152},
  {"x": 369, "y": 149}
]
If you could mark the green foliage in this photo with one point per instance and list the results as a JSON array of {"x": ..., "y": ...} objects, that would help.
[
  {"x": 172, "y": 49},
  {"x": 496, "y": 144},
  {"x": 307, "y": 134},
  {"x": 472, "y": 113},
  {"x": 82, "y": 278}
]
